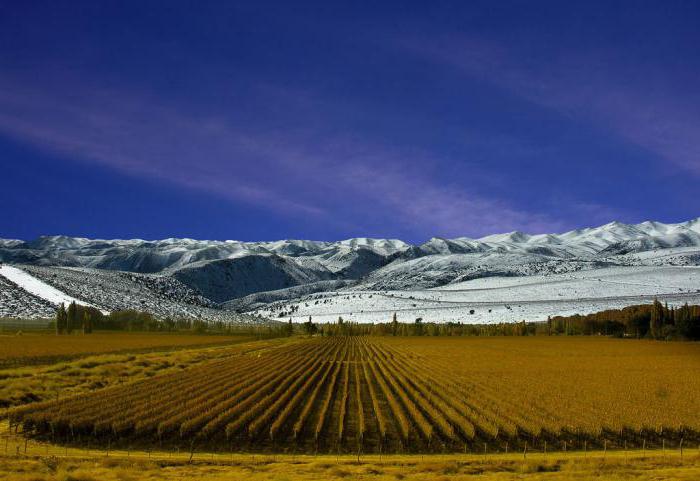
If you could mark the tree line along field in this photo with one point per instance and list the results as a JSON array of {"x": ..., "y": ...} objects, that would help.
[
  {"x": 400, "y": 395},
  {"x": 39, "y": 348}
]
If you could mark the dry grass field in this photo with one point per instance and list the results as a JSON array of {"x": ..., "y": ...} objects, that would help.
[
  {"x": 652, "y": 466},
  {"x": 40, "y": 348},
  {"x": 398, "y": 395},
  {"x": 23, "y": 459}
]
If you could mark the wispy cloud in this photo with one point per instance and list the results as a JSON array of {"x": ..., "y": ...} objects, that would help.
[
  {"x": 294, "y": 173},
  {"x": 140, "y": 136},
  {"x": 641, "y": 107},
  {"x": 443, "y": 210}
]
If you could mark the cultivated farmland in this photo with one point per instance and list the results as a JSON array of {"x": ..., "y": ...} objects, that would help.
[
  {"x": 40, "y": 348},
  {"x": 367, "y": 394}
]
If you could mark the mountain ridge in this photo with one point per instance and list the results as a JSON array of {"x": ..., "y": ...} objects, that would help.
[
  {"x": 222, "y": 271},
  {"x": 619, "y": 231}
]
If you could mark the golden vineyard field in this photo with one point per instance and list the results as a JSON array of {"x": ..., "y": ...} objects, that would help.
[
  {"x": 372, "y": 394},
  {"x": 30, "y": 348}
]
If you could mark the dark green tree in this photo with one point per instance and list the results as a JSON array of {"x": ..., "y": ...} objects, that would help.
[
  {"x": 310, "y": 328},
  {"x": 656, "y": 323},
  {"x": 418, "y": 327},
  {"x": 72, "y": 321},
  {"x": 87, "y": 322},
  {"x": 688, "y": 322},
  {"x": 61, "y": 319}
]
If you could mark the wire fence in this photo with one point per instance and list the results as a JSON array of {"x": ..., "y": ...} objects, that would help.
[{"x": 16, "y": 445}]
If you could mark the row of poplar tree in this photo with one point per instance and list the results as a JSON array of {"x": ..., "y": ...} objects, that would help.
[
  {"x": 73, "y": 319},
  {"x": 652, "y": 321}
]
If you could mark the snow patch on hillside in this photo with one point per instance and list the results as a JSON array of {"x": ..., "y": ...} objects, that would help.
[
  {"x": 37, "y": 287},
  {"x": 501, "y": 299}
]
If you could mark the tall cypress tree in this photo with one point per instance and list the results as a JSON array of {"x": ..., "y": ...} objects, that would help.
[
  {"x": 657, "y": 320},
  {"x": 72, "y": 317},
  {"x": 61, "y": 318},
  {"x": 87, "y": 322}
]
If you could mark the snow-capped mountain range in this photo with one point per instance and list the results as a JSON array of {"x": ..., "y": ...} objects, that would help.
[
  {"x": 215, "y": 273},
  {"x": 136, "y": 255}
]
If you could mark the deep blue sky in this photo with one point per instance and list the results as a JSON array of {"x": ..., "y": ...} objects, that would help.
[{"x": 326, "y": 120}]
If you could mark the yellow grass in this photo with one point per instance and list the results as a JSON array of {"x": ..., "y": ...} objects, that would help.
[
  {"x": 118, "y": 467},
  {"x": 34, "y": 348}
]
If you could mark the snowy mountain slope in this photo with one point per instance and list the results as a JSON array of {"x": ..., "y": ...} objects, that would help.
[
  {"x": 260, "y": 299},
  {"x": 348, "y": 263},
  {"x": 215, "y": 272},
  {"x": 161, "y": 295},
  {"x": 680, "y": 256},
  {"x": 643, "y": 244},
  {"x": 226, "y": 279},
  {"x": 438, "y": 270},
  {"x": 137, "y": 255},
  {"x": 16, "y": 302},
  {"x": 588, "y": 241},
  {"x": 10, "y": 242},
  {"x": 500, "y": 299},
  {"x": 38, "y": 288}
]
